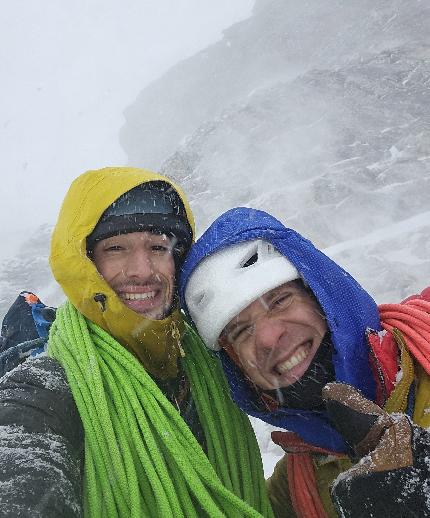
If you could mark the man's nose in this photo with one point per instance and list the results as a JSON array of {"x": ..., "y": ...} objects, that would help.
[
  {"x": 267, "y": 333},
  {"x": 139, "y": 265}
]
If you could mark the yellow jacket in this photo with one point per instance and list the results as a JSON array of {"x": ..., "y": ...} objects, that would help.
[{"x": 154, "y": 342}]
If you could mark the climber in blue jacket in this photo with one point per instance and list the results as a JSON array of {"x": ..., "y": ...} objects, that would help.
[{"x": 303, "y": 348}]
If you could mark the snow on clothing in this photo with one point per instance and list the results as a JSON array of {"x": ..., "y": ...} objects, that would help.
[
  {"x": 41, "y": 447},
  {"x": 140, "y": 457},
  {"x": 350, "y": 312},
  {"x": 392, "y": 475}
]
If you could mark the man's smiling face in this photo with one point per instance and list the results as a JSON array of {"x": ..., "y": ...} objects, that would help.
[
  {"x": 140, "y": 268},
  {"x": 277, "y": 336}
]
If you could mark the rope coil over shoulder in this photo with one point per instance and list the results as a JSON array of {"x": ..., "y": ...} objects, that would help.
[
  {"x": 412, "y": 319},
  {"x": 141, "y": 459}
]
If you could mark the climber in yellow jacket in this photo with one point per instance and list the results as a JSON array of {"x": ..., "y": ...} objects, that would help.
[{"x": 126, "y": 414}]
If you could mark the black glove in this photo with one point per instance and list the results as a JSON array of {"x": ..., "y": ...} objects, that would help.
[{"x": 393, "y": 470}]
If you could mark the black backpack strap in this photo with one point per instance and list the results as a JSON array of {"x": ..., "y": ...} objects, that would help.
[{"x": 13, "y": 356}]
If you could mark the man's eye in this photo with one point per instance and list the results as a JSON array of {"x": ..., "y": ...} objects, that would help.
[
  {"x": 283, "y": 300},
  {"x": 240, "y": 334},
  {"x": 159, "y": 248},
  {"x": 113, "y": 248}
]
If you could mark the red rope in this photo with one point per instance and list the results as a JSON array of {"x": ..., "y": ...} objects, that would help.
[
  {"x": 303, "y": 486},
  {"x": 412, "y": 318},
  {"x": 302, "y": 480}
]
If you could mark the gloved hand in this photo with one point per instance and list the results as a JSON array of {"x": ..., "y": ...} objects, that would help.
[
  {"x": 393, "y": 469},
  {"x": 368, "y": 429}
]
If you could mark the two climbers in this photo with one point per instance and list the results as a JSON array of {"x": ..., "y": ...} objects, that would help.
[{"x": 127, "y": 414}]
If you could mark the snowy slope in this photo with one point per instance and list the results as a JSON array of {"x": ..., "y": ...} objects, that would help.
[
  {"x": 317, "y": 112},
  {"x": 334, "y": 154},
  {"x": 282, "y": 40}
]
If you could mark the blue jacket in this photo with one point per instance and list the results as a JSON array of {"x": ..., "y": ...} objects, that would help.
[{"x": 349, "y": 311}]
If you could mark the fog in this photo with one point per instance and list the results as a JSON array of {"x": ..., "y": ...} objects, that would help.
[{"x": 68, "y": 71}]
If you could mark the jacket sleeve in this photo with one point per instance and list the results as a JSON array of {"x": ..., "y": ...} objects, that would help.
[{"x": 41, "y": 443}]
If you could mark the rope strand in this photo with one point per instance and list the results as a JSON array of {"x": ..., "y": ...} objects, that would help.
[
  {"x": 412, "y": 319},
  {"x": 141, "y": 459}
]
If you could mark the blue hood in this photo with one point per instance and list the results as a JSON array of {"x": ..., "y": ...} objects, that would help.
[{"x": 349, "y": 311}]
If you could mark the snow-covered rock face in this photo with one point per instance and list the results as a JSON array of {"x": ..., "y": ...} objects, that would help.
[
  {"x": 316, "y": 112},
  {"x": 284, "y": 39}
]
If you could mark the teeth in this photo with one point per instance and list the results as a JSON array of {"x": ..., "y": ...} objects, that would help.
[
  {"x": 294, "y": 360},
  {"x": 138, "y": 296}
]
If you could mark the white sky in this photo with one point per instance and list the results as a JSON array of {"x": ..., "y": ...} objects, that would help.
[{"x": 68, "y": 71}]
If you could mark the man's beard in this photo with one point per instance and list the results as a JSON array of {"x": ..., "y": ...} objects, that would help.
[{"x": 305, "y": 393}]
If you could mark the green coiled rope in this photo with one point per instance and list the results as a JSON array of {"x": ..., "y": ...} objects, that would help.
[{"x": 141, "y": 459}]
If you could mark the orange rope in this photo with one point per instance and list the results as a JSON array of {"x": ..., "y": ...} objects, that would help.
[
  {"x": 412, "y": 319},
  {"x": 302, "y": 480},
  {"x": 303, "y": 486}
]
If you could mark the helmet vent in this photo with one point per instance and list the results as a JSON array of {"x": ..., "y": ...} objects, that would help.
[{"x": 252, "y": 260}]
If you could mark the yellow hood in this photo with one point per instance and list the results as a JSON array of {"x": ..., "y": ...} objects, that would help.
[{"x": 154, "y": 342}]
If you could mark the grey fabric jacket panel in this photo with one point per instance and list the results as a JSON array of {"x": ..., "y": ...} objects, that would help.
[{"x": 41, "y": 443}]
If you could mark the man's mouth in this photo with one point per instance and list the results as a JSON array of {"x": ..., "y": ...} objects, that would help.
[
  {"x": 300, "y": 354},
  {"x": 138, "y": 296}
]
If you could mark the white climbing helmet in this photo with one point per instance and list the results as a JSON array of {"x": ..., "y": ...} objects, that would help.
[{"x": 225, "y": 283}]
